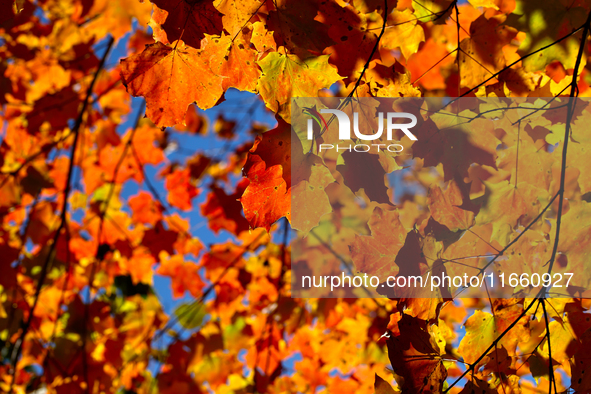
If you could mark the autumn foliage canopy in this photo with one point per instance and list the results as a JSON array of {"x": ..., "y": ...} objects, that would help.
[{"x": 150, "y": 197}]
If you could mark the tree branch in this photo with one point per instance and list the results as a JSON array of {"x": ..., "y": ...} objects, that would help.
[
  {"x": 373, "y": 51},
  {"x": 63, "y": 216},
  {"x": 569, "y": 117},
  {"x": 551, "y": 376},
  {"x": 492, "y": 346}
]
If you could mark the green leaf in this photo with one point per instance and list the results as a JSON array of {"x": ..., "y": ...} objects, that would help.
[{"x": 190, "y": 316}]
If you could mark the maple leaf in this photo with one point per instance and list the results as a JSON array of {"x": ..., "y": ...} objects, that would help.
[
  {"x": 165, "y": 76},
  {"x": 287, "y": 76},
  {"x": 416, "y": 356},
  {"x": 576, "y": 224},
  {"x": 436, "y": 11},
  {"x": 107, "y": 135},
  {"x": 42, "y": 220},
  {"x": 578, "y": 150},
  {"x": 116, "y": 17},
  {"x": 160, "y": 239},
  {"x": 139, "y": 266},
  {"x": 366, "y": 110},
  {"x": 234, "y": 59},
  {"x": 145, "y": 209},
  {"x": 274, "y": 148},
  {"x": 481, "y": 54},
  {"x": 262, "y": 39},
  {"x": 266, "y": 199},
  {"x": 391, "y": 81},
  {"x": 446, "y": 207},
  {"x": 405, "y": 33},
  {"x": 146, "y": 144},
  {"x": 565, "y": 346},
  {"x": 295, "y": 27},
  {"x": 225, "y": 211},
  {"x": 471, "y": 245},
  {"x": 309, "y": 200},
  {"x": 181, "y": 190},
  {"x": 497, "y": 198},
  {"x": 62, "y": 105},
  {"x": 482, "y": 328},
  {"x": 439, "y": 144},
  {"x": 580, "y": 380},
  {"x": 9, "y": 195},
  {"x": 376, "y": 254},
  {"x": 188, "y": 20},
  {"x": 364, "y": 171},
  {"x": 422, "y": 72},
  {"x": 184, "y": 275},
  {"x": 350, "y": 30},
  {"x": 237, "y": 13},
  {"x": 280, "y": 146},
  {"x": 419, "y": 257}
]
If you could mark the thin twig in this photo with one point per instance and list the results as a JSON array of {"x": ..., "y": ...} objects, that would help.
[
  {"x": 373, "y": 51},
  {"x": 550, "y": 366},
  {"x": 567, "y": 129},
  {"x": 514, "y": 63},
  {"x": 493, "y": 345},
  {"x": 63, "y": 216},
  {"x": 99, "y": 255}
]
